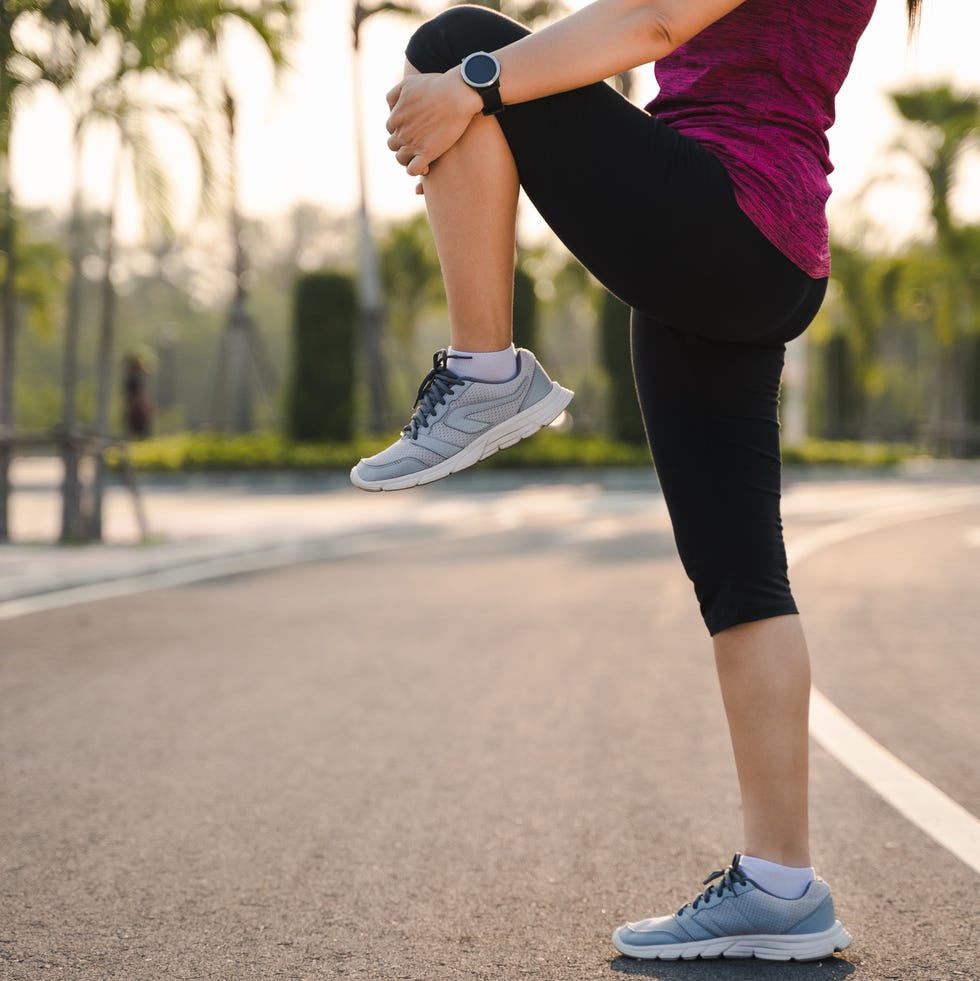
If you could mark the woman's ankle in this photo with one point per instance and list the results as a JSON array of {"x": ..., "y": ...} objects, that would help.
[{"x": 486, "y": 366}]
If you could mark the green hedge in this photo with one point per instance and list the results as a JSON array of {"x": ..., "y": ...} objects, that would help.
[
  {"x": 269, "y": 451},
  {"x": 320, "y": 395},
  {"x": 846, "y": 453}
]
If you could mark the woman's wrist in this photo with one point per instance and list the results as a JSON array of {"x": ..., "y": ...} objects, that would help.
[{"x": 467, "y": 96}]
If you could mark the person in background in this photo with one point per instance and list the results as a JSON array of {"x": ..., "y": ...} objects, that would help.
[{"x": 137, "y": 404}]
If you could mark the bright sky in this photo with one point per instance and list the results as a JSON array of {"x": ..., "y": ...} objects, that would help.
[{"x": 297, "y": 143}]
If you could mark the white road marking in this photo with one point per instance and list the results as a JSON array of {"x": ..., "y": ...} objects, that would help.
[{"x": 915, "y": 798}]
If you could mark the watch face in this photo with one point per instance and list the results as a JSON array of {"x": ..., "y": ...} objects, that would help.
[{"x": 480, "y": 69}]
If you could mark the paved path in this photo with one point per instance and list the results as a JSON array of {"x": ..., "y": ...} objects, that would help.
[{"x": 365, "y": 767}]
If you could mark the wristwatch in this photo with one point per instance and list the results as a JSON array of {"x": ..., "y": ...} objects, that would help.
[{"x": 481, "y": 72}]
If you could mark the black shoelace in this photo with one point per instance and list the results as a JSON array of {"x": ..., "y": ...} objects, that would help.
[
  {"x": 730, "y": 877},
  {"x": 436, "y": 385}
]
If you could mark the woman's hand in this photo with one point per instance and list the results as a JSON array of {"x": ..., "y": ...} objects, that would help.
[{"x": 429, "y": 113}]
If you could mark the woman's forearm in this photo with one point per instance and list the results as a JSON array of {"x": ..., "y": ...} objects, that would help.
[
  {"x": 599, "y": 41},
  {"x": 430, "y": 112}
]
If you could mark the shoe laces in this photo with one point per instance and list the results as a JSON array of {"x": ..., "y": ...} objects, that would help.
[
  {"x": 730, "y": 877},
  {"x": 436, "y": 385}
]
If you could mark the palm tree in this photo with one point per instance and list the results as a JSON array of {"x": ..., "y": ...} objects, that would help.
[
  {"x": 111, "y": 53},
  {"x": 143, "y": 38},
  {"x": 134, "y": 151},
  {"x": 71, "y": 491},
  {"x": 948, "y": 125},
  {"x": 371, "y": 292},
  {"x": 73, "y": 48},
  {"x": 271, "y": 22},
  {"x": 64, "y": 26}
]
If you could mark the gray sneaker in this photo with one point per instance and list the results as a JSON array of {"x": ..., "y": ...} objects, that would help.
[
  {"x": 459, "y": 421},
  {"x": 736, "y": 918}
]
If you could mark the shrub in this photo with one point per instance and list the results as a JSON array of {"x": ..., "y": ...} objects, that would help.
[
  {"x": 320, "y": 394},
  {"x": 196, "y": 452}
]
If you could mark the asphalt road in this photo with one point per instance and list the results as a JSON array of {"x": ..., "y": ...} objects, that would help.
[{"x": 464, "y": 759}]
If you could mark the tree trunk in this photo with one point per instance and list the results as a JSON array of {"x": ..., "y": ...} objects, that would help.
[
  {"x": 105, "y": 359},
  {"x": 8, "y": 355},
  {"x": 8, "y": 295},
  {"x": 370, "y": 292},
  {"x": 239, "y": 348},
  {"x": 239, "y": 361},
  {"x": 71, "y": 504}
]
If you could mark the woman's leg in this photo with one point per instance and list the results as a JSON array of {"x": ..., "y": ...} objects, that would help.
[
  {"x": 471, "y": 196},
  {"x": 710, "y": 411},
  {"x": 764, "y": 671},
  {"x": 711, "y": 414}
]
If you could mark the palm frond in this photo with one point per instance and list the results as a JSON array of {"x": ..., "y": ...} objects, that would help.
[{"x": 153, "y": 186}]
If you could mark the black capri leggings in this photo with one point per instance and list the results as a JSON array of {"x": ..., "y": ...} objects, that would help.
[{"x": 652, "y": 215}]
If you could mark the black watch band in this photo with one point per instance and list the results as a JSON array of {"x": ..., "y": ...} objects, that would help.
[
  {"x": 492, "y": 103},
  {"x": 481, "y": 72}
]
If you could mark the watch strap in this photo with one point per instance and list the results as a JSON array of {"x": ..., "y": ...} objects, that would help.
[{"x": 492, "y": 103}]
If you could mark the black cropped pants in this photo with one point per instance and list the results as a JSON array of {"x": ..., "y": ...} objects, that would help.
[{"x": 652, "y": 215}]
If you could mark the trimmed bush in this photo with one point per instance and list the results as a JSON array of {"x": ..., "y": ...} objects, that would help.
[
  {"x": 203, "y": 452},
  {"x": 846, "y": 453},
  {"x": 625, "y": 420},
  {"x": 320, "y": 394}
]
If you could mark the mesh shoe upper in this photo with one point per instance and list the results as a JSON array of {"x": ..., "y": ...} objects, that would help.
[{"x": 736, "y": 906}]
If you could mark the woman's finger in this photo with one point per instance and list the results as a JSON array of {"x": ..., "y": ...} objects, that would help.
[
  {"x": 418, "y": 166},
  {"x": 392, "y": 96},
  {"x": 405, "y": 155},
  {"x": 394, "y": 142}
]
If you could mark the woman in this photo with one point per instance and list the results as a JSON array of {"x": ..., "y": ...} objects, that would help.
[{"x": 706, "y": 214}]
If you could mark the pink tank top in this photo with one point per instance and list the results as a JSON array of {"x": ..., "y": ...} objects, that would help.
[{"x": 757, "y": 89}]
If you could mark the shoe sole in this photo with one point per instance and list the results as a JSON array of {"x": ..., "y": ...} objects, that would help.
[
  {"x": 501, "y": 436},
  {"x": 765, "y": 946}
]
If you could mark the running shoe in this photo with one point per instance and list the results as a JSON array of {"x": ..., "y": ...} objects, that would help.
[
  {"x": 459, "y": 421},
  {"x": 736, "y": 918}
]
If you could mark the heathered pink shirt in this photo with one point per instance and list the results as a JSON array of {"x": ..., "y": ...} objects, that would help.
[{"x": 757, "y": 89}]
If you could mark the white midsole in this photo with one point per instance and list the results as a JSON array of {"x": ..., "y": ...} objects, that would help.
[
  {"x": 766, "y": 946},
  {"x": 504, "y": 434}
]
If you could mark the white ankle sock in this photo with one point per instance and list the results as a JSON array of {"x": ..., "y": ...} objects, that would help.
[
  {"x": 486, "y": 366},
  {"x": 781, "y": 880}
]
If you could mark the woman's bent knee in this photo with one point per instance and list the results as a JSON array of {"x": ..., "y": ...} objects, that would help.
[{"x": 444, "y": 41}]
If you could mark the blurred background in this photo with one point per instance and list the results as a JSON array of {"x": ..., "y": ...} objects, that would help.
[{"x": 210, "y": 260}]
